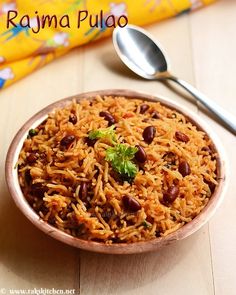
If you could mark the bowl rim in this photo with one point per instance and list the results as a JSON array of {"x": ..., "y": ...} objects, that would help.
[{"x": 121, "y": 248}]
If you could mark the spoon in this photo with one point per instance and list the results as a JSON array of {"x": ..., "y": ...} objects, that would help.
[{"x": 144, "y": 56}]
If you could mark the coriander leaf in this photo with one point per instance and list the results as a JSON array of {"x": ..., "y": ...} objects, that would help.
[
  {"x": 130, "y": 169},
  {"x": 122, "y": 151},
  {"x": 110, "y": 154},
  {"x": 94, "y": 134},
  {"x": 146, "y": 224},
  {"x": 108, "y": 133},
  {"x": 120, "y": 158}
]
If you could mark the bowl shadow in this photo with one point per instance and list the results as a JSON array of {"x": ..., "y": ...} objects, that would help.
[
  {"x": 34, "y": 258},
  {"x": 39, "y": 260},
  {"x": 120, "y": 273}
]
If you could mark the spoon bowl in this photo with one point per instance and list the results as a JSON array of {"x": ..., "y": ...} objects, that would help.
[{"x": 140, "y": 52}]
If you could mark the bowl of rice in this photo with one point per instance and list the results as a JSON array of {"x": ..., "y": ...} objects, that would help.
[{"x": 116, "y": 171}]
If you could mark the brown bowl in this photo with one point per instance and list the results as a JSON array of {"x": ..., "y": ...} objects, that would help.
[{"x": 123, "y": 248}]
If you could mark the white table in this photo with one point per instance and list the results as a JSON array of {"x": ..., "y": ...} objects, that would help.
[{"x": 202, "y": 48}]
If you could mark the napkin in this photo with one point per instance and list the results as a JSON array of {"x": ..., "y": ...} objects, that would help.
[{"x": 26, "y": 46}]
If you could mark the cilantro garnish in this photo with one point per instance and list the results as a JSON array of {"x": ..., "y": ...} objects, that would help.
[
  {"x": 146, "y": 224},
  {"x": 108, "y": 133},
  {"x": 120, "y": 156}
]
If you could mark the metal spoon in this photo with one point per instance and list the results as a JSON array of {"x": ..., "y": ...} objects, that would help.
[{"x": 144, "y": 56}]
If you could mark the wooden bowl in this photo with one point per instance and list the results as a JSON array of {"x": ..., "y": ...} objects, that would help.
[{"x": 123, "y": 248}]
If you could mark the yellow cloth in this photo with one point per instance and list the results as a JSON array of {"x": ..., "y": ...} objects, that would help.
[{"x": 22, "y": 51}]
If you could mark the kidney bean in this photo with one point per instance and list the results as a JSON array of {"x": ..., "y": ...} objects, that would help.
[
  {"x": 144, "y": 108},
  {"x": 155, "y": 115},
  {"x": 31, "y": 200},
  {"x": 97, "y": 173},
  {"x": 83, "y": 191},
  {"x": 131, "y": 204},
  {"x": 73, "y": 119},
  {"x": 181, "y": 136},
  {"x": 90, "y": 142},
  {"x": 67, "y": 141},
  {"x": 28, "y": 177},
  {"x": 38, "y": 204},
  {"x": 51, "y": 220},
  {"x": 149, "y": 134},
  {"x": 107, "y": 214},
  {"x": 176, "y": 181},
  {"x": 184, "y": 168},
  {"x": 170, "y": 195},
  {"x": 211, "y": 185},
  {"x": 63, "y": 214},
  {"x": 43, "y": 156},
  {"x": 32, "y": 158},
  {"x": 80, "y": 229},
  {"x": 206, "y": 149},
  {"x": 140, "y": 155},
  {"x": 108, "y": 117},
  {"x": 38, "y": 190},
  {"x": 42, "y": 125},
  {"x": 170, "y": 158},
  {"x": 117, "y": 240}
]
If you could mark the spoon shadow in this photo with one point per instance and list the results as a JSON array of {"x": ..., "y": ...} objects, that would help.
[{"x": 112, "y": 62}]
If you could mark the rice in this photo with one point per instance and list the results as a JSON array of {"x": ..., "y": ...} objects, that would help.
[{"x": 73, "y": 186}]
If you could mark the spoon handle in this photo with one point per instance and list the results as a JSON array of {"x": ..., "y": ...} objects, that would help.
[{"x": 228, "y": 119}]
